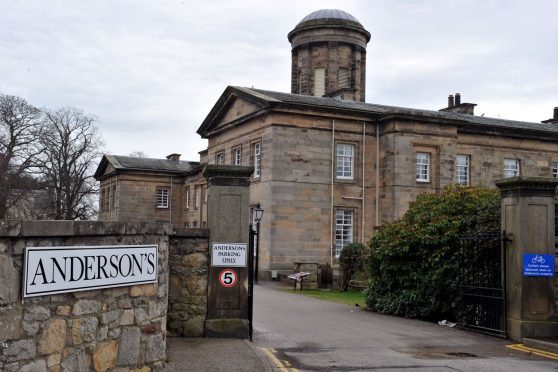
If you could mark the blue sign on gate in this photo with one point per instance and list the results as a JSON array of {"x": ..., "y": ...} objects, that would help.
[{"x": 538, "y": 265}]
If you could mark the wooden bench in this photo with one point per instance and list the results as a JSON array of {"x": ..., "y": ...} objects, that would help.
[
  {"x": 357, "y": 284},
  {"x": 298, "y": 278}
]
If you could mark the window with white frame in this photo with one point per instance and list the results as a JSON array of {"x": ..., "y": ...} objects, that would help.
[
  {"x": 187, "y": 199},
  {"x": 345, "y": 161},
  {"x": 423, "y": 167},
  {"x": 257, "y": 161},
  {"x": 237, "y": 156},
  {"x": 162, "y": 198},
  {"x": 511, "y": 168},
  {"x": 319, "y": 82},
  {"x": 220, "y": 158},
  {"x": 343, "y": 229},
  {"x": 197, "y": 197},
  {"x": 555, "y": 170},
  {"x": 462, "y": 169}
]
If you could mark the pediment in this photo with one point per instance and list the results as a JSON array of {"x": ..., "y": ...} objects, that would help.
[
  {"x": 237, "y": 108},
  {"x": 105, "y": 167},
  {"x": 109, "y": 169},
  {"x": 234, "y": 105}
]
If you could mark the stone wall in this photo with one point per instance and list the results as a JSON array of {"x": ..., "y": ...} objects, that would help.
[
  {"x": 188, "y": 266},
  {"x": 112, "y": 329}
]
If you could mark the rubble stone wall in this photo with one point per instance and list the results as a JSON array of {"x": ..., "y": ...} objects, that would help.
[
  {"x": 119, "y": 329},
  {"x": 188, "y": 266}
]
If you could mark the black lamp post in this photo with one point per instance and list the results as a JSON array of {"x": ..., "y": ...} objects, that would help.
[{"x": 258, "y": 214}]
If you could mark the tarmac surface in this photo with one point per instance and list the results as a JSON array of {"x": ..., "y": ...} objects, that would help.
[{"x": 298, "y": 333}]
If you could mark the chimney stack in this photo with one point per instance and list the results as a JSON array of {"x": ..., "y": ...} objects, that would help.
[
  {"x": 455, "y": 105},
  {"x": 451, "y": 102},
  {"x": 554, "y": 119},
  {"x": 175, "y": 158}
]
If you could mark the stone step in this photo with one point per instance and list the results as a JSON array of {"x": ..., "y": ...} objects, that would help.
[{"x": 548, "y": 344}]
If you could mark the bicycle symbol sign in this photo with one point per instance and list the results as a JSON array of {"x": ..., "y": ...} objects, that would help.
[
  {"x": 228, "y": 278},
  {"x": 541, "y": 265}
]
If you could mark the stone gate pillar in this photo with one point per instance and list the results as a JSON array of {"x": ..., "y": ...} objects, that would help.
[
  {"x": 228, "y": 222},
  {"x": 528, "y": 218}
]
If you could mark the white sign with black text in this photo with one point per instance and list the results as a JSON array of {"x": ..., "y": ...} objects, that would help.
[
  {"x": 229, "y": 254},
  {"x": 49, "y": 270}
]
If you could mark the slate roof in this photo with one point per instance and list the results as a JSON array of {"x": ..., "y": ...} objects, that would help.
[
  {"x": 145, "y": 164},
  {"x": 384, "y": 110}
]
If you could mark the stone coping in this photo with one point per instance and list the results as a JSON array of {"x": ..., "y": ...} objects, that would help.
[
  {"x": 186, "y": 232},
  {"x": 527, "y": 186},
  {"x": 26, "y": 228},
  {"x": 526, "y": 182},
  {"x": 236, "y": 171}
]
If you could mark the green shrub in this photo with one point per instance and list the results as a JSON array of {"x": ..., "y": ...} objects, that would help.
[
  {"x": 351, "y": 260},
  {"x": 413, "y": 260}
]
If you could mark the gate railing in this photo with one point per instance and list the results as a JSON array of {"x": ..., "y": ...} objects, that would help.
[{"x": 482, "y": 283}]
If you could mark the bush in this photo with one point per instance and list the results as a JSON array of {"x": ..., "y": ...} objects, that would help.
[
  {"x": 351, "y": 260},
  {"x": 413, "y": 260}
]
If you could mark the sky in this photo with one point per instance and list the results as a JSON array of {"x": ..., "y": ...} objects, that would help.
[{"x": 150, "y": 71}]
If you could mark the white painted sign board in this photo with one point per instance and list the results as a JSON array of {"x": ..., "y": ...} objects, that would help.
[
  {"x": 229, "y": 255},
  {"x": 49, "y": 270}
]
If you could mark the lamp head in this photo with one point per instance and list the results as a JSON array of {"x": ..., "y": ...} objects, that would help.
[{"x": 258, "y": 213}]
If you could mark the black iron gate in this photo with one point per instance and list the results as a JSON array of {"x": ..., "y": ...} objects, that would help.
[{"x": 481, "y": 283}]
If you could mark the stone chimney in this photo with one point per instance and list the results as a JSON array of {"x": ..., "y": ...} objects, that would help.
[
  {"x": 455, "y": 105},
  {"x": 554, "y": 119},
  {"x": 175, "y": 158},
  {"x": 451, "y": 102}
]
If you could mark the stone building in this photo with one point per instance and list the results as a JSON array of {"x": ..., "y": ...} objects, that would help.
[
  {"x": 144, "y": 189},
  {"x": 328, "y": 167}
]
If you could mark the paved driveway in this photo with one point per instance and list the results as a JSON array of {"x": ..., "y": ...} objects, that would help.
[{"x": 298, "y": 332}]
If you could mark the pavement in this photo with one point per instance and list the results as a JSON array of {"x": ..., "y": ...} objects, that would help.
[
  {"x": 298, "y": 333},
  {"x": 214, "y": 354}
]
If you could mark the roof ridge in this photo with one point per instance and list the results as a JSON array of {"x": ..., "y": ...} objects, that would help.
[{"x": 438, "y": 113}]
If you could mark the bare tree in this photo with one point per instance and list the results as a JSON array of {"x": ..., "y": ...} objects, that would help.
[
  {"x": 69, "y": 154},
  {"x": 20, "y": 127},
  {"x": 138, "y": 154}
]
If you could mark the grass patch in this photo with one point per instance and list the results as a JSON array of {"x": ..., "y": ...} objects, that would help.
[{"x": 350, "y": 297}]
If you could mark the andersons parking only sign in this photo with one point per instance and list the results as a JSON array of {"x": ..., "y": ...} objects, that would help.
[
  {"x": 229, "y": 255},
  {"x": 49, "y": 270}
]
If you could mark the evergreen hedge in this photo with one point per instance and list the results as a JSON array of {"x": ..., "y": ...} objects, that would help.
[{"x": 413, "y": 260}]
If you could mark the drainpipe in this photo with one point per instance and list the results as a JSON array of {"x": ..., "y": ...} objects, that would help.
[
  {"x": 116, "y": 200},
  {"x": 377, "y": 174},
  {"x": 332, "y": 175},
  {"x": 363, "y": 189},
  {"x": 170, "y": 202}
]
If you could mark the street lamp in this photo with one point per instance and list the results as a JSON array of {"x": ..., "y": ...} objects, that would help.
[{"x": 258, "y": 214}]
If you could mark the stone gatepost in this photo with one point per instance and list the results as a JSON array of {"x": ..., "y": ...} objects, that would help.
[
  {"x": 528, "y": 218},
  {"x": 228, "y": 222}
]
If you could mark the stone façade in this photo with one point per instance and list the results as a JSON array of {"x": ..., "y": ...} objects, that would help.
[{"x": 298, "y": 134}]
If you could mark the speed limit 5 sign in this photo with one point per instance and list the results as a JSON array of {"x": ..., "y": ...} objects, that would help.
[{"x": 228, "y": 278}]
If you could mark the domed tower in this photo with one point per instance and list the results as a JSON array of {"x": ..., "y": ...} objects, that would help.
[{"x": 329, "y": 55}]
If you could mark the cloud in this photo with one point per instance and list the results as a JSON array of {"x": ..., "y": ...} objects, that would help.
[{"x": 151, "y": 71}]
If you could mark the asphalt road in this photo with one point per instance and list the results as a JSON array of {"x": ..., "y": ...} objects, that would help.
[{"x": 301, "y": 333}]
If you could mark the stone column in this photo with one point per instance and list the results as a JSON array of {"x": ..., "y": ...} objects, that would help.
[
  {"x": 227, "y": 219},
  {"x": 528, "y": 218}
]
